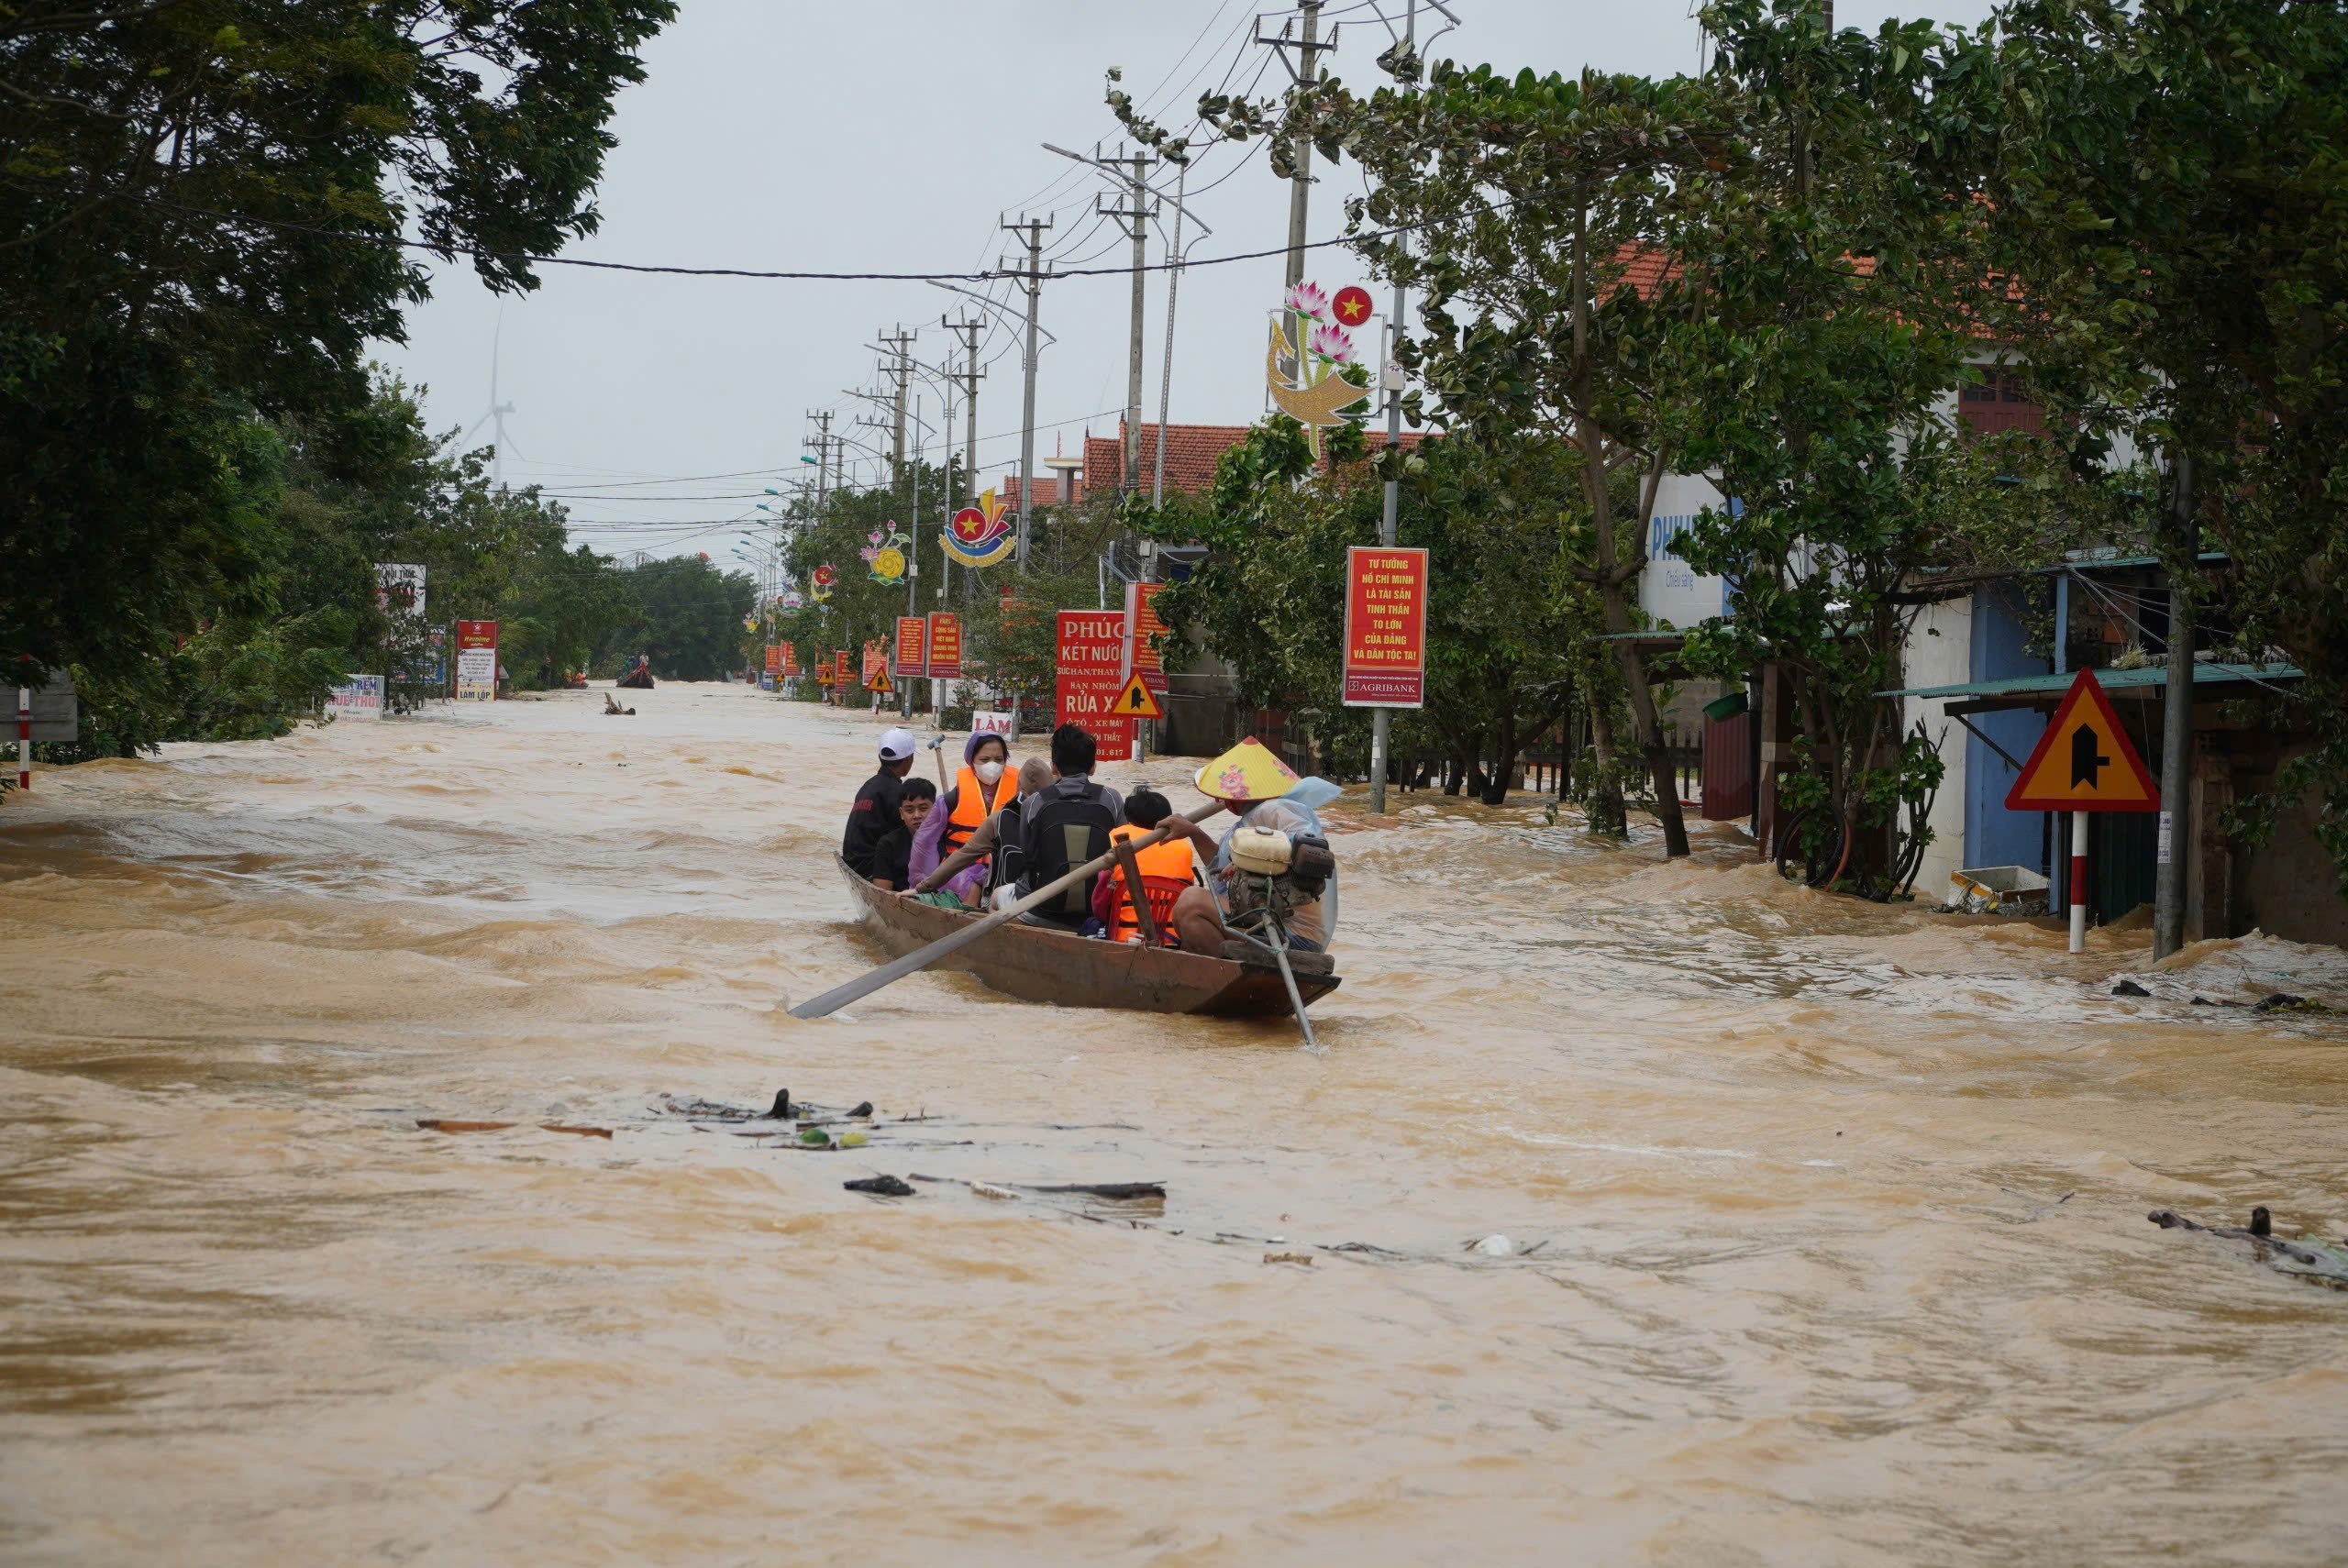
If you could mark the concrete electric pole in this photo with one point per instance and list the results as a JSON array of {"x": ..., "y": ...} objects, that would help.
[
  {"x": 1033, "y": 276},
  {"x": 969, "y": 330},
  {"x": 1305, "y": 71}
]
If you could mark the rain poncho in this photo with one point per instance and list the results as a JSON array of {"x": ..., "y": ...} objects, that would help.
[{"x": 1292, "y": 813}]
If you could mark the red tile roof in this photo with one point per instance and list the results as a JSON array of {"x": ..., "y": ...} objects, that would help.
[
  {"x": 1048, "y": 490},
  {"x": 1191, "y": 451}
]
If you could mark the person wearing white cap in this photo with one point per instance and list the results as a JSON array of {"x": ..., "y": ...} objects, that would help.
[{"x": 874, "y": 815}]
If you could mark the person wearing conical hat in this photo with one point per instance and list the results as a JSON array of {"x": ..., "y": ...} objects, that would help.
[{"x": 1254, "y": 786}]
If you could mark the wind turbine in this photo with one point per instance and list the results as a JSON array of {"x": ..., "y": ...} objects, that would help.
[{"x": 497, "y": 411}]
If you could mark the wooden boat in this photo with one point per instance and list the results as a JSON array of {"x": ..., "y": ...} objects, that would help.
[{"x": 1039, "y": 965}]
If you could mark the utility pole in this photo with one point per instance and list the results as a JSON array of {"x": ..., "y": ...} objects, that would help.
[
  {"x": 1382, "y": 719},
  {"x": 1305, "y": 71},
  {"x": 1034, "y": 276},
  {"x": 969, "y": 330},
  {"x": 1135, "y": 213},
  {"x": 901, "y": 368},
  {"x": 822, "y": 418},
  {"x": 2176, "y": 714}
]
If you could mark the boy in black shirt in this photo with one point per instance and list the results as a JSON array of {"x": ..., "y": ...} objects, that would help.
[{"x": 891, "y": 857}]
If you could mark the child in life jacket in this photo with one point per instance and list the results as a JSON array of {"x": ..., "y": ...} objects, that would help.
[{"x": 1166, "y": 869}]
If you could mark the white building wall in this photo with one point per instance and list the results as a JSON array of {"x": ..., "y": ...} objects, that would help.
[{"x": 1940, "y": 653}]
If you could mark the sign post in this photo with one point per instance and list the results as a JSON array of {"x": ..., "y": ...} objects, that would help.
[
  {"x": 2083, "y": 763},
  {"x": 1091, "y": 645},
  {"x": 1386, "y": 627},
  {"x": 1144, "y": 659},
  {"x": 913, "y": 653},
  {"x": 945, "y": 656},
  {"x": 476, "y": 661}
]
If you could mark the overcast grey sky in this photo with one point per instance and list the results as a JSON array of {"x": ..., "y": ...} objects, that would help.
[{"x": 869, "y": 137}]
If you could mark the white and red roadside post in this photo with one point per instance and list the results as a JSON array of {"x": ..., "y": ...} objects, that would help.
[{"x": 23, "y": 737}]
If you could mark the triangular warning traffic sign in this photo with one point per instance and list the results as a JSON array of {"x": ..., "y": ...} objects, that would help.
[
  {"x": 1136, "y": 702},
  {"x": 880, "y": 682},
  {"x": 2084, "y": 762}
]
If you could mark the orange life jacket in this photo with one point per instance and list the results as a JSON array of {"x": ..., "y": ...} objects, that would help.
[
  {"x": 1165, "y": 872},
  {"x": 971, "y": 807}
]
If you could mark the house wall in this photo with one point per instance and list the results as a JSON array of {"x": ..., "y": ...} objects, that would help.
[
  {"x": 1940, "y": 653},
  {"x": 1994, "y": 835}
]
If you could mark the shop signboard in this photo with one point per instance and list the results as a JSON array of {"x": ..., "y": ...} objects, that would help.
[
  {"x": 476, "y": 661},
  {"x": 1091, "y": 652},
  {"x": 361, "y": 696}
]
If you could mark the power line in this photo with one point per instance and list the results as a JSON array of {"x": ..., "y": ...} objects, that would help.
[{"x": 984, "y": 275}]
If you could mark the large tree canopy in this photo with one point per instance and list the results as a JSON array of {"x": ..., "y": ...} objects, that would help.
[{"x": 200, "y": 205}]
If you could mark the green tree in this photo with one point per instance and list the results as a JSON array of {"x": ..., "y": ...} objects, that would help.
[
  {"x": 1504, "y": 620},
  {"x": 689, "y": 617},
  {"x": 2169, "y": 185},
  {"x": 204, "y": 201},
  {"x": 1532, "y": 207}
]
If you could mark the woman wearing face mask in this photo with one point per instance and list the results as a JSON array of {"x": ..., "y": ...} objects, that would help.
[{"x": 984, "y": 787}]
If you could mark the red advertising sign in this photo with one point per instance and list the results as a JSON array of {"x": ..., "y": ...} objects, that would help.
[
  {"x": 775, "y": 659},
  {"x": 1092, "y": 653},
  {"x": 945, "y": 646},
  {"x": 790, "y": 659},
  {"x": 476, "y": 661},
  {"x": 1386, "y": 627},
  {"x": 1142, "y": 653},
  {"x": 912, "y": 646}
]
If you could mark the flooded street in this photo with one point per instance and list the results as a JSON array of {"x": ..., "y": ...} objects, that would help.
[{"x": 1837, "y": 1211}]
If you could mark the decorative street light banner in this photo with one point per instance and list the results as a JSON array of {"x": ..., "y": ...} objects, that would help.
[
  {"x": 476, "y": 661},
  {"x": 1386, "y": 627},
  {"x": 979, "y": 535},
  {"x": 820, "y": 581},
  {"x": 1089, "y": 676},
  {"x": 884, "y": 552},
  {"x": 945, "y": 646},
  {"x": 1303, "y": 363},
  {"x": 1143, "y": 657},
  {"x": 913, "y": 648}
]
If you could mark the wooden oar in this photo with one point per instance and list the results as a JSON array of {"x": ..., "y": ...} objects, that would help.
[{"x": 889, "y": 974}]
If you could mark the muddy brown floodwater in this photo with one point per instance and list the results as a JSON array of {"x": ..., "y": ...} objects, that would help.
[{"x": 1830, "y": 1217}]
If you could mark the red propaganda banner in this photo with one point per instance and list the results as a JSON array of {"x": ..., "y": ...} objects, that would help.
[
  {"x": 841, "y": 673},
  {"x": 1386, "y": 627},
  {"x": 1091, "y": 653},
  {"x": 913, "y": 648},
  {"x": 1142, "y": 656},
  {"x": 790, "y": 659},
  {"x": 775, "y": 659},
  {"x": 945, "y": 646},
  {"x": 876, "y": 661}
]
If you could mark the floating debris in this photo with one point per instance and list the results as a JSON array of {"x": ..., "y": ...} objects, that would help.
[
  {"x": 881, "y": 1187},
  {"x": 2310, "y": 1258},
  {"x": 446, "y": 1124},
  {"x": 1304, "y": 1258}
]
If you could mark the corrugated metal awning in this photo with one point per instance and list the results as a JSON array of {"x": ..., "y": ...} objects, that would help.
[{"x": 2046, "y": 691}]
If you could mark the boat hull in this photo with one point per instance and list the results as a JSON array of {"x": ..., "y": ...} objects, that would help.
[{"x": 1042, "y": 965}]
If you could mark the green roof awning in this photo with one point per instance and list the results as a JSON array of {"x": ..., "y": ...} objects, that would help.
[{"x": 2045, "y": 690}]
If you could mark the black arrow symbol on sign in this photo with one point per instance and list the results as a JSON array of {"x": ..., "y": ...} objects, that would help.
[{"x": 2087, "y": 757}]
